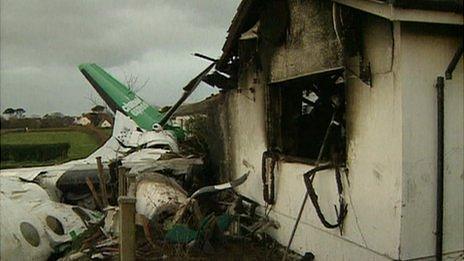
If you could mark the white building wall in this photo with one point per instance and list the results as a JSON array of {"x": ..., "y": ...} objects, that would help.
[
  {"x": 391, "y": 147},
  {"x": 372, "y": 227},
  {"x": 426, "y": 51}
]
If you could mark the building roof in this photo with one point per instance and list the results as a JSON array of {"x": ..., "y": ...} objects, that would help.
[
  {"x": 247, "y": 15},
  {"x": 249, "y": 11},
  {"x": 422, "y": 11},
  {"x": 437, "y": 5}
]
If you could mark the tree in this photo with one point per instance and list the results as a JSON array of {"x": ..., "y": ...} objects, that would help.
[
  {"x": 132, "y": 82},
  {"x": 95, "y": 100},
  {"x": 57, "y": 115},
  {"x": 20, "y": 112},
  {"x": 9, "y": 111},
  {"x": 98, "y": 108},
  {"x": 4, "y": 124}
]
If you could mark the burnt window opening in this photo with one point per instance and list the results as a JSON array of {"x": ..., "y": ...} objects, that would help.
[{"x": 299, "y": 113}]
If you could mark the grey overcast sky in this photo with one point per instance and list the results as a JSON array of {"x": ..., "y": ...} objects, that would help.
[{"x": 43, "y": 41}]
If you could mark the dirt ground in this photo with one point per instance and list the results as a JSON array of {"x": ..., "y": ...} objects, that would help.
[{"x": 229, "y": 249}]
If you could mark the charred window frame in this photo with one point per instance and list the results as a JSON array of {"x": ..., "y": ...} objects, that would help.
[{"x": 299, "y": 112}]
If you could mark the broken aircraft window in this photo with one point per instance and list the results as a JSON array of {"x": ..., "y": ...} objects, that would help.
[
  {"x": 30, "y": 233},
  {"x": 55, "y": 225}
]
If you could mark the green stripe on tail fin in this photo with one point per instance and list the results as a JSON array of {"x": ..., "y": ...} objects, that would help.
[{"x": 121, "y": 98}]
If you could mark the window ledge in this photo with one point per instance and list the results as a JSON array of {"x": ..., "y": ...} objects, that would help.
[{"x": 295, "y": 159}]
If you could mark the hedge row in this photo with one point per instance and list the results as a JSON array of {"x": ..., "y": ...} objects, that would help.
[{"x": 34, "y": 152}]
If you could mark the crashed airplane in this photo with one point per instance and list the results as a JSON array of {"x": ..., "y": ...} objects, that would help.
[{"x": 43, "y": 207}]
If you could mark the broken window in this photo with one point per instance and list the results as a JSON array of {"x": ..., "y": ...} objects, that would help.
[{"x": 300, "y": 112}]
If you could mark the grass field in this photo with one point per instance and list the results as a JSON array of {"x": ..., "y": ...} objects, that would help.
[{"x": 81, "y": 144}]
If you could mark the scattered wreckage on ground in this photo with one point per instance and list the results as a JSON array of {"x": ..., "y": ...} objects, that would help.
[{"x": 73, "y": 209}]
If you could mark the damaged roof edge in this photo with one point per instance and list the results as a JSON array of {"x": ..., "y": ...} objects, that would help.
[
  {"x": 398, "y": 10},
  {"x": 429, "y": 11},
  {"x": 437, "y": 5},
  {"x": 247, "y": 14}
]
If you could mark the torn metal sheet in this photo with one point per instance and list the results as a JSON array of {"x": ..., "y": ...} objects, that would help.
[
  {"x": 177, "y": 166},
  {"x": 28, "y": 174},
  {"x": 143, "y": 156},
  {"x": 215, "y": 188}
]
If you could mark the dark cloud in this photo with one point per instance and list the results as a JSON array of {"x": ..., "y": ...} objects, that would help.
[{"x": 42, "y": 42}]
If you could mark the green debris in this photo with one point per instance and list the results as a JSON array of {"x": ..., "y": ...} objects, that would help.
[
  {"x": 181, "y": 233},
  {"x": 224, "y": 221}
]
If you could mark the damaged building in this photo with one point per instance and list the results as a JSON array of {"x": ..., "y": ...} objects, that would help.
[
  {"x": 337, "y": 131},
  {"x": 356, "y": 104}
]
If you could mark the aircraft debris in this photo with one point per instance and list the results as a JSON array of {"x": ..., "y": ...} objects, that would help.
[
  {"x": 221, "y": 187},
  {"x": 158, "y": 196},
  {"x": 33, "y": 225},
  {"x": 53, "y": 209}
]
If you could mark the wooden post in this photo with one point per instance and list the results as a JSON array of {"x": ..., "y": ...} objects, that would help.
[
  {"x": 101, "y": 176},
  {"x": 131, "y": 184},
  {"x": 127, "y": 243},
  {"x": 94, "y": 193},
  {"x": 122, "y": 186}
]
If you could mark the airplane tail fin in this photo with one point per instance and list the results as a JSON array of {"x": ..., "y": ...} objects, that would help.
[{"x": 120, "y": 98}]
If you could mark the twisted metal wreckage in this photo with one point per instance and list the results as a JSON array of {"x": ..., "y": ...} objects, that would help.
[{"x": 45, "y": 207}]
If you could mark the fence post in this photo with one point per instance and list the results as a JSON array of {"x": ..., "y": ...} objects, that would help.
[
  {"x": 102, "y": 178},
  {"x": 127, "y": 243},
  {"x": 131, "y": 184},
  {"x": 122, "y": 186}
]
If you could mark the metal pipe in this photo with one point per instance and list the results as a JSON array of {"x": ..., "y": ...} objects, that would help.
[
  {"x": 205, "y": 57},
  {"x": 440, "y": 158},
  {"x": 188, "y": 89},
  {"x": 300, "y": 213},
  {"x": 453, "y": 63},
  {"x": 440, "y": 85}
]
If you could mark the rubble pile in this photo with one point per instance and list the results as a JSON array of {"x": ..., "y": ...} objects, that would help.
[
  {"x": 151, "y": 210},
  {"x": 136, "y": 197}
]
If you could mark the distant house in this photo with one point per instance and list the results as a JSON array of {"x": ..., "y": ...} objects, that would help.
[
  {"x": 180, "y": 121},
  {"x": 82, "y": 121},
  {"x": 105, "y": 124},
  {"x": 105, "y": 120},
  {"x": 97, "y": 119}
]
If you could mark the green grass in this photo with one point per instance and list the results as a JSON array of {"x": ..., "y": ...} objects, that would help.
[
  {"x": 107, "y": 132},
  {"x": 82, "y": 144}
]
